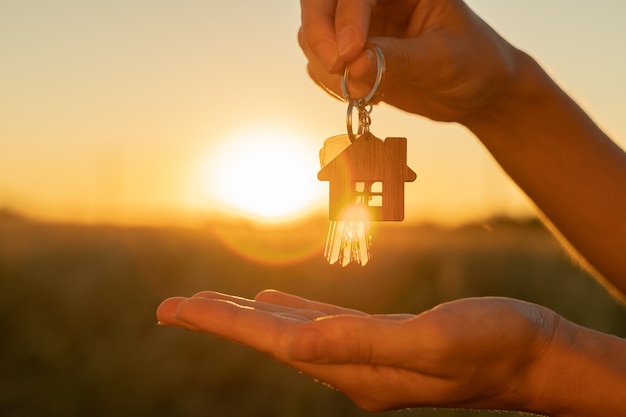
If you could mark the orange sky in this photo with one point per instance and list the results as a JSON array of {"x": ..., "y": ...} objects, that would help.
[{"x": 115, "y": 111}]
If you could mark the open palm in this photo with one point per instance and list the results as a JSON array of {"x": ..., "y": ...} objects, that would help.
[{"x": 464, "y": 353}]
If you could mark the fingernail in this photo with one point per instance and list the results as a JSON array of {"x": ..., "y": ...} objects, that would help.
[
  {"x": 308, "y": 346},
  {"x": 327, "y": 54},
  {"x": 345, "y": 41}
]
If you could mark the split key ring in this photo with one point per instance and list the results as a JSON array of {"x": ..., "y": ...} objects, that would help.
[
  {"x": 364, "y": 104},
  {"x": 380, "y": 73}
]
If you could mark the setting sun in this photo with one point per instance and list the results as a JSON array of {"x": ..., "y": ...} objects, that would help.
[{"x": 267, "y": 175}]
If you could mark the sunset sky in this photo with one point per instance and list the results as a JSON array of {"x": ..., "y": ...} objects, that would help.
[{"x": 129, "y": 111}]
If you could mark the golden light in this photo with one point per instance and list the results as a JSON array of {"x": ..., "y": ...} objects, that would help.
[{"x": 264, "y": 174}]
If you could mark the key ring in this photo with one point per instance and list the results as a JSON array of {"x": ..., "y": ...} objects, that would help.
[
  {"x": 380, "y": 73},
  {"x": 363, "y": 105},
  {"x": 364, "y": 118}
]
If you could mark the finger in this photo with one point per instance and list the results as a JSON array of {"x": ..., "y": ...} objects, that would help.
[
  {"x": 300, "y": 312},
  {"x": 406, "y": 57},
  {"x": 222, "y": 296},
  {"x": 258, "y": 329},
  {"x": 335, "y": 30},
  {"x": 295, "y": 302},
  {"x": 363, "y": 71},
  {"x": 352, "y": 22},
  {"x": 166, "y": 310},
  {"x": 393, "y": 317},
  {"x": 166, "y": 313},
  {"x": 330, "y": 83},
  {"x": 409, "y": 63},
  {"x": 318, "y": 31},
  {"x": 362, "y": 74}
]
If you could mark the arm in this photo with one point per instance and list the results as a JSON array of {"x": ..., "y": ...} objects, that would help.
[
  {"x": 572, "y": 171},
  {"x": 445, "y": 63},
  {"x": 491, "y": 353}
]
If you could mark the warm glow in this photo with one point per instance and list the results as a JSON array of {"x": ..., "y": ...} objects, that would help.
[{"x": 267, "y": 175}]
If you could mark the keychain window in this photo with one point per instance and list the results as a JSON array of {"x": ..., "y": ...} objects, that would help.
[{"x": 370, "y": 193}]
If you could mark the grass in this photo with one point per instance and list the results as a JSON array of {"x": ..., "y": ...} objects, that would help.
[{"x": 79, "y": 335}]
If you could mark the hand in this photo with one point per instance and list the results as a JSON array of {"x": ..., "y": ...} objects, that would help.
[
  {"x": 443, "y": 61},
  {"x": 468, "y": 353}
]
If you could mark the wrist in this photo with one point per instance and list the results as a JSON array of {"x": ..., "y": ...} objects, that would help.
[
  {"x": 523, "y": 89},
  {"x": 579, "y": 373}
]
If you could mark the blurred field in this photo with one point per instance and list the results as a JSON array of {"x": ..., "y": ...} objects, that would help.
[{"x": 79, "y": 335}]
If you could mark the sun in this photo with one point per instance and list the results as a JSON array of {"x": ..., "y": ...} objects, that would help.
[{"x": 265, "y": 174}]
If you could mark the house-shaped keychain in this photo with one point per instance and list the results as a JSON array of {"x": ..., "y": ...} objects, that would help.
[{"x": 370, "y": 174}]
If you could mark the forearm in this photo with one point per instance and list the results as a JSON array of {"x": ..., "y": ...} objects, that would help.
[{"x": 572, "y": 171}]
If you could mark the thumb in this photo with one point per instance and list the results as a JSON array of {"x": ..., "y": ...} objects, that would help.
[
  {"x": 351, "y": 339},
  {"x": 402, "y": 59}
]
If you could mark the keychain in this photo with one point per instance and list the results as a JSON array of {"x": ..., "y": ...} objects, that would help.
[{"x": 366, "y": 177}]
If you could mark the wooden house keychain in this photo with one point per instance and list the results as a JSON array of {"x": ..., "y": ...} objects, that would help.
[{"x": 366, "y": 177}]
